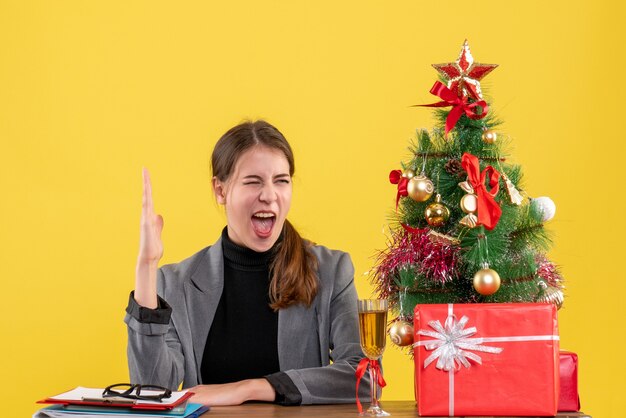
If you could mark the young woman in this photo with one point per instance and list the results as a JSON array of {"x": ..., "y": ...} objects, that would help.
[{"x": 260, "y": 314}]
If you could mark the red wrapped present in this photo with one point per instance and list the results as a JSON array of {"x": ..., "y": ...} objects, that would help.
[
  {"x": 486, "y": 359},
  {"x": 569, "y": 400}
]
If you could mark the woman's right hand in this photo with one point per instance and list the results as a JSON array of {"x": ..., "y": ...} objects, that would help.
[{"x": 150, "y": 248}]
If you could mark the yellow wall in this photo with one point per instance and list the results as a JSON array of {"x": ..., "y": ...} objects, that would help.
[{"x": 91, "y": 91}]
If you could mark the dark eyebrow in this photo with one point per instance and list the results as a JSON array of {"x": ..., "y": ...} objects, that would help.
[{"x": 256, "y": 177}]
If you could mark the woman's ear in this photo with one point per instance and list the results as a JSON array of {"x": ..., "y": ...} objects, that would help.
[{"x": 219, "y": 189}]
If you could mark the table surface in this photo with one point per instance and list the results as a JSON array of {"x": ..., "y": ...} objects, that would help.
[{"x": 397, "y": 409}]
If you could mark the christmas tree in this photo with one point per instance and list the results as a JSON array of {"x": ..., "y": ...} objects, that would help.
[{"x": 463, "y": 230}]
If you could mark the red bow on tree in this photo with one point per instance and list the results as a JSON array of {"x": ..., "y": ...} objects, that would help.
[
  {"x": 489, "y": 211},
  {"x": 459, "y": 105},
  {"x": 412, "y": 230},
  {"x": 395, "y": 177},
  {"x": 360, "y": 372}
]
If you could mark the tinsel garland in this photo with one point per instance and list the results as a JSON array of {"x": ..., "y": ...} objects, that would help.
[
  {"x": 414, "y": 249},
  {"x": 549, "y": 272},
  {"x": 551, "y": 284}
]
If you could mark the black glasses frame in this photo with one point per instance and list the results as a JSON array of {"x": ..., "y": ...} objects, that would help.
[{"x": 125, "y": 390}]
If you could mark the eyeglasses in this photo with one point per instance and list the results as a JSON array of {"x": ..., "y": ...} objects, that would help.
[{"x": 125, "y": 390}]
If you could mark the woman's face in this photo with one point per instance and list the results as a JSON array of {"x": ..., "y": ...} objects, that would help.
[{"x": 257, "y": 197}]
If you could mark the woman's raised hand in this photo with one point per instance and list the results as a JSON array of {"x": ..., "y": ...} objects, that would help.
[
  {"x": 150, "y": 248},
  {"x": 150, "y": 245}
]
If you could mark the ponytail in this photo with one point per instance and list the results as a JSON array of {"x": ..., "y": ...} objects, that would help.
[{"x": 293, "y": 271}]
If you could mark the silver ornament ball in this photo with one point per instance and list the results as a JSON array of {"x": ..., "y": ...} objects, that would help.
[{"x": 545, "y": 206}]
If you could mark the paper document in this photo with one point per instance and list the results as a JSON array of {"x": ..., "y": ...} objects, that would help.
[{"x": 81, "y": 393}]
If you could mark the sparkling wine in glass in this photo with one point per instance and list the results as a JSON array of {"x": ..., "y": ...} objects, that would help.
[{"x": 373, "y": 331}]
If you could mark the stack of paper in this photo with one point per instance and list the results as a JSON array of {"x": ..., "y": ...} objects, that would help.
[
  {"x": 192, "y": 410},
  {"x": 89, "y": 403}
]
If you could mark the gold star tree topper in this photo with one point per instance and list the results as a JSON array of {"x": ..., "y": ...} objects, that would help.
[{"x": 464, "y": 74}]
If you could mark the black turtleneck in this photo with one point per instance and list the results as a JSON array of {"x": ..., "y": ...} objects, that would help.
[{"x": 242, "y": 342}]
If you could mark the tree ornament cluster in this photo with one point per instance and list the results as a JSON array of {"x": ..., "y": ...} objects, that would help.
[{"x": 466, "y": 231}]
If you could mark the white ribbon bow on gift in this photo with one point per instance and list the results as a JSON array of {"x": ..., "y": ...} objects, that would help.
[{"x": 451, "y": 344}]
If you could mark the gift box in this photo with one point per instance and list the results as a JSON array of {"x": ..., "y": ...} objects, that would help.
[
  {"x": 486, "y": 359},
  {"x": 569, "y": 400}
]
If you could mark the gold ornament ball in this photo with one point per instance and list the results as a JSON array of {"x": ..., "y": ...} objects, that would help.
[
  {"x": 489, "y": 136},
  {"x": 486, "y": 281},
  {"x": 420, "y": 188},
  {"x": 408, "y": 173},
  {"x": 437, "y": 213},
  {"x": 469, "y": 203},
  {"x": 401, "y": 333}
]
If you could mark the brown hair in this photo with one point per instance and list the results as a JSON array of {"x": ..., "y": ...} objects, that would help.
[{"x": 294, "y": 266}]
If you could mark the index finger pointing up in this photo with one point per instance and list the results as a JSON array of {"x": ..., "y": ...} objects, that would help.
[{"x": 147, "y": 203}]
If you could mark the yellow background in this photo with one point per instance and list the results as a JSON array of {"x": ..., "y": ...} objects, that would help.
[{"x": 91, "y": 91}]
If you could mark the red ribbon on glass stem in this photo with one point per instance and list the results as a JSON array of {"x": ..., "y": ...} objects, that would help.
[
  {"x": 395, "y": 177},
  {"x": 459, "y": 105},
  {"x": 360, "y": 372},
  {"x": 488, "y": 210}
]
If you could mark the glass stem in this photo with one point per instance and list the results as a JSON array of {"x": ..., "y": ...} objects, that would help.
[{"x": 374, "y": 388}]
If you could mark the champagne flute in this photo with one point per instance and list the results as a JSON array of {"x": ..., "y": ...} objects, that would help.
[{"x": 372, "y": 328}]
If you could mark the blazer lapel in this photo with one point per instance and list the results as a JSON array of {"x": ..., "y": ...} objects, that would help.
[
  {"x": 203, "y": 292},
  {"x": 295, "y": 335}
]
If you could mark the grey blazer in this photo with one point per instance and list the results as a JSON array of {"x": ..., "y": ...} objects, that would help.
[{"x": 308, "y": 338}]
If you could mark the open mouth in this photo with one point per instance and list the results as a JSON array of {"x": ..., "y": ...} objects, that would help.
[{"x": 263, "y": 223}]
